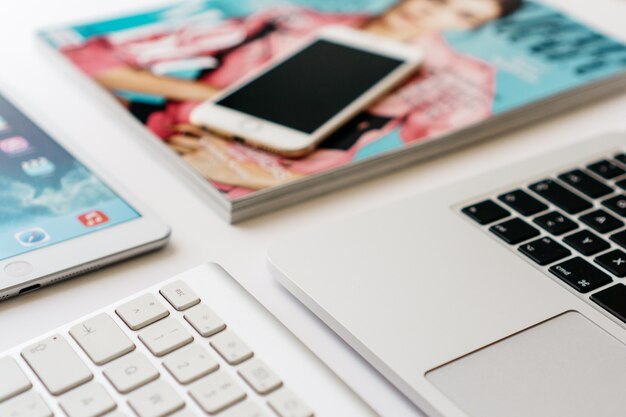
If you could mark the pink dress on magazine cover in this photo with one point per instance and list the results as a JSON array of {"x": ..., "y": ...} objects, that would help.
[{"x": 451, "y": 91}]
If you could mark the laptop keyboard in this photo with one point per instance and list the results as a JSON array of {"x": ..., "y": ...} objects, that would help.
[{"x": 571, "y": 224}]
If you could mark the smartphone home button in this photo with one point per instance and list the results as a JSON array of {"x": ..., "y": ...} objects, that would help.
[
  {"x": 250, "y": 125},
  {"x": 18, "y": 269}
]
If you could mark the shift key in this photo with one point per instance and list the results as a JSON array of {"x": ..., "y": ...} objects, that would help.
[{"x": 57, "y": 365}]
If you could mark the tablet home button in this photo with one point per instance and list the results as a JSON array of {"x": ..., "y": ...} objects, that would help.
[{"x": 18, "y": 269}]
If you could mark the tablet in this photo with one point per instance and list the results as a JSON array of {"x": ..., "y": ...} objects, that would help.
[{"x": 59, "y": 217}]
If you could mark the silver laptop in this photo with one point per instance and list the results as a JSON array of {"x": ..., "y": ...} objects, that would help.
[{"x": 499, "y": 296}]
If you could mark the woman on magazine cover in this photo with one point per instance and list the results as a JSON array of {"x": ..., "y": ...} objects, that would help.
[{"x": 451, "y": 91}]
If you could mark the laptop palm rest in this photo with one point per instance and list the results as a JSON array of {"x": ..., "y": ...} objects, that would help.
[{"x": 564, "y": 367}]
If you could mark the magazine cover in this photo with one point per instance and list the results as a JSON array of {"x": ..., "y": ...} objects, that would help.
[{"x": 482, "y": 58}]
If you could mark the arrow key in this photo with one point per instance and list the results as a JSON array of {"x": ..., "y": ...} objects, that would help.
[{"x": 614, "y": 262}]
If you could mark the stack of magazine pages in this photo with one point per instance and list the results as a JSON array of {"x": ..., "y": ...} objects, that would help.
[{"x": 486, "y": 70}]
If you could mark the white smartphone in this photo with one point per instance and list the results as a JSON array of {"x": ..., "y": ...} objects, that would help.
[
  {"x": 59, "y": 218},
  {"x": 299, "y": 100}
]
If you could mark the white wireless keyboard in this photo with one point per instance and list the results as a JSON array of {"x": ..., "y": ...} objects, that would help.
[{"x": 195, "y": 345}]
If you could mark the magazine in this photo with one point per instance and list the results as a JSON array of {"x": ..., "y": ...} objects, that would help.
[{"x": 490, "y": 65}]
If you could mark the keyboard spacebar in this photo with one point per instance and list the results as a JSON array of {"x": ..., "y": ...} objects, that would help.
[{"x": 57, "y": 365}]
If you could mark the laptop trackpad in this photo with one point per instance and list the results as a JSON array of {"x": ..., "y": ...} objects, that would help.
[{"x": 565, "y": 367}]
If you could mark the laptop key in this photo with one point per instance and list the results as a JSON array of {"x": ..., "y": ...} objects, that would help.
[
  {"x": 606, "y": 169},
  {"x": 613, "y": 299},
  {"x": 621, "y": 184},
  {"x": 586, "y": 242},
  {"x": 560, "y": 196},
  {"x": 621, "y": 157},
  {"x": 585, "y": 183},
  {"x": 522, "y": 202},
  {"x": 514, "y": 231},
  {"x": 616, "y": 204},
  {"x": 601, "y": 221},
  {"x": 544, "y": 251},
  {"x": 614, "y": 262},
  {"x": 580, "y": 275},
  {"x": 486, "y": 212},
  {"x": 556, "y": 223},
  {"x": 619, "y": 238},
  {"x": 12, "y": 379}
]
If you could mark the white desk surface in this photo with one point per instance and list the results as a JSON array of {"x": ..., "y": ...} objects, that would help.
[{"x": 198, "y": 234}]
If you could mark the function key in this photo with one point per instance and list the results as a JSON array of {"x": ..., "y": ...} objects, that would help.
[
  {"x": 614, "y": 262},
  {"x": 544, "y": 251},
  {"x": 514, "y": 231},
  {"x": 580, "y": 274},
  {"x": 621, "y": 157},
  {"x": 485, "y": 212},
  {"x": 620, "y": 238},
  {"x": 606, "y": 169},
  {"x": 142, "y": 311},
  {"x": 179, "y": 295},
  {"x": 585, "y": 183},
  {"x": 556, "y": 223},
  {"x": 586, "y": 242},
  {"x": 616, "y": 204},
  {"x": 522, "y": 202},
  {"x": 601, "y": 221},
  {"x": 613, "y": 299},
  {"x": 560, "y": 196}
]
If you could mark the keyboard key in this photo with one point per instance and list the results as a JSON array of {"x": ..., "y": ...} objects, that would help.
[
  {"x": 245, "y": 409},
  {"x": 12, "y": 379},
  {"x": 606, "y": 169},
  {"x": 522, "y": 202},
  {"x": 486, "y": 212},
  {"x": 29, "y": 404},
  {"x": 155, "y": 400},
  {"x": 621, "y": 157},
  {"x": 585, "y": 183},
  {"x": 286, "y": 404},
  {"x": 514, "y": 231},
  {"x": 179, "y": 295},
  {"x": 616, "y": 204},
  {"x": 619, "y": 238},
  {"x": 560, "y": 196},
  {"x": 614, "y": 262},
  {"x": 586, "y": 242},
  {"x": 90, "y": 400},
  {"x": 621, "y": 184},
  {"x": 231, "y": 347},
  {"x": 165, "y": 336},
  {"x": 601, "y": 221},
  {"x": 130, "y": 372},
  {"x": 544, "y": 251},
  {"x": 581, "y": 275},
  {"x": 56, "y": 364},
  {"x": 613, "y": 299},
  {"x": 259, "y": 376},
  {"x": 204, "y": 320},
  {"x": 556, "y": 223},
  {"x": 142, "y": 311},
  {"x": 101, "y": 339},
  {"x": 190, "y": 363},
  {"x": 217, "y": 392}
]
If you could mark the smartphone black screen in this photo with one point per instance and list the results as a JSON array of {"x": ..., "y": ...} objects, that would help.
[{"x": 308, "y": 89}]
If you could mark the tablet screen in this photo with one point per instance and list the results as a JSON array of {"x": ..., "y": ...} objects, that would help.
[{"x": 46, "y": 195}]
